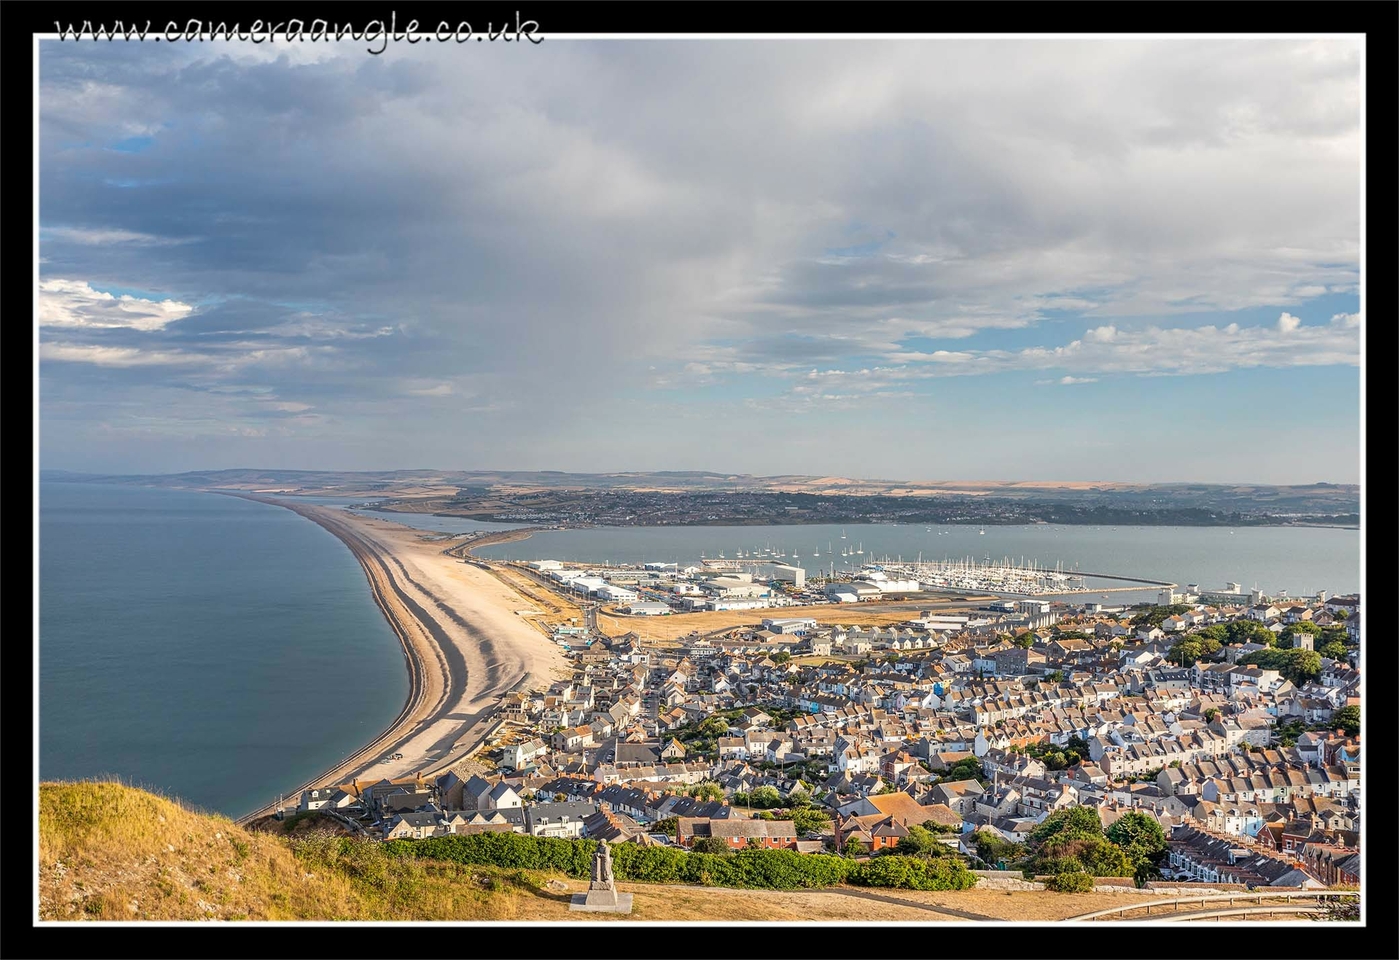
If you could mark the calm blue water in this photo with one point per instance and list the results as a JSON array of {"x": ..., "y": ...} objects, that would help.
[
  {"x": 212, "y": 648},
  {"x": 1278, "y": 559}
]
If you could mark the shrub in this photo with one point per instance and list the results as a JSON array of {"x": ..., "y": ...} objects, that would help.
[
  {"x": 1069, "y": 883},
  {"x": 710, "y": 845}
]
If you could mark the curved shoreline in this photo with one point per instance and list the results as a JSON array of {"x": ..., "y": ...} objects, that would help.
[
  {"x": 412, "y": 657},
  {"x": 457, "y": 666}
]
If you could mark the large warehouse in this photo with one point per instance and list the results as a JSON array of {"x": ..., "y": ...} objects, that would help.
[{"x": 789, "y": 574}]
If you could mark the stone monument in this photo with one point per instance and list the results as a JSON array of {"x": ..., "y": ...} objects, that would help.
[{"x": 602, "y": 895}]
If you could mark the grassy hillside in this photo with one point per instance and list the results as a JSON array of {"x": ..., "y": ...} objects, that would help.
[{"x": 113, "y": 852}]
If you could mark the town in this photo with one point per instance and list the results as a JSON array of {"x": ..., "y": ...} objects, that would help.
[{"x": 969, "y": 728}]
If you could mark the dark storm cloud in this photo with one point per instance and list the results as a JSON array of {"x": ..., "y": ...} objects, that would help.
[{"x": 495, "y": 245}]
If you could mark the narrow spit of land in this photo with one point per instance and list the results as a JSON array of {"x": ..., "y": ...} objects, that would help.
[{"x": 464, "y": 645}]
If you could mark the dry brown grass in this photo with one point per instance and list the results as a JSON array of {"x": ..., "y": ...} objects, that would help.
[
  {"x": 677, "y": 625},
  {"x": 111, "y": 852},
  {"x": 554, "y": 608}
]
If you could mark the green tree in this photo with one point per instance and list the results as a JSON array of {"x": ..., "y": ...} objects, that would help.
[
  {"x": 781, "y": 657},
  {"x": 668, "y": 826},
  {"x": 853, "y": 848},
  {"x": 995, "y": 849},
  {"x": 1185, "y": 653},
  {"x": 968, "y": 768},
  {"x": 1215, "y": 631},
  {"x": 1299, "y": 666},
  {"x": 1140, "y": 837},
  {"x": 1248, "y": 631},
  {"x": 1027, "y": 641},
  {"x": 763, "y": 798},
  {"x": 714, "y": 727},
  {"x": 1071, "y": 823},
  {"x": 1093, "y": 855},
  {"x": 716, "y": 845},
  {"x": 810, "y": 820},
  {"x": 1333, "y": 650},
  {"x": 919, "y": 842},
  {"x": 1348, "y": 719},
  {"x": 1211, "y": 714}
]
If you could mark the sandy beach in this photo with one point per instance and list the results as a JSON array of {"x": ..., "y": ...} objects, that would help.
[{"x": 465, "y": 647}]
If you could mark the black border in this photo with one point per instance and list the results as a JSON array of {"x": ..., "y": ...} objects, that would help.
[{"x": 1379, "y": 21}]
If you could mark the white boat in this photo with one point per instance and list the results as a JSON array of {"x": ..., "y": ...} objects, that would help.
[
  {"x": 982, "y": 532},
  {"x": 842, "y": 533}
]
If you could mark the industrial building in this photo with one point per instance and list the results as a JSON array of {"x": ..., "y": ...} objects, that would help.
[
  {"x": 732, "y": 588},
  {"x": 789, "y": 574},
  {"x": 794, "y": 625},
  {"x": 859, "y": 589}
]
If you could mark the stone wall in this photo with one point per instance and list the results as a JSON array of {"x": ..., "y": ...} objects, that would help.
[
  {"x": 1168, "y": 888},
  {"x": 1004, "y": 880}
]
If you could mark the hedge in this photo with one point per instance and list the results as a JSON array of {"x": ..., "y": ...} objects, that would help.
[
  {"x": 914, "y": 873},
  {"x": 762, "y": 869}
]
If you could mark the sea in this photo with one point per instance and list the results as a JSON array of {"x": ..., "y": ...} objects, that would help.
[
  {"x": 207, "y": 647},
  {"x": 220, "y": 650},
  {"x": 1296, "y": 561}
]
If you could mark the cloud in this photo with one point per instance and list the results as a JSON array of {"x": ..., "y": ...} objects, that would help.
[
  {"x": 1149, "y": 351},
  {"x": 114, "y": 356},
  {"x": 1346, "y": 319},
  {"x": 1287, "y": 323},
  {"x": 74, "y": 303},
  {"x": 724, "y": 212},
  {"x": 105, "y": 237}
]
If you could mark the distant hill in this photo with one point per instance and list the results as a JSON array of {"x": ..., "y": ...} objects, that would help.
[{"x": 1319, "y": 502}]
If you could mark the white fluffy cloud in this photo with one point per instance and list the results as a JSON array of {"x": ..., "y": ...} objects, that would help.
[
  {"x": 74, "y": 303},
  {"x": 1287, "y": 322}
]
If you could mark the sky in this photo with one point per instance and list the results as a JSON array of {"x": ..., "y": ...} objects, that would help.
[{"x": 1123, "y": 259}]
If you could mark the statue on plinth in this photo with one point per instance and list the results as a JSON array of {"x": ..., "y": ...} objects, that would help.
[
  {"x": 602, "y": 867},
  {"x": 602, "y": 892}
]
